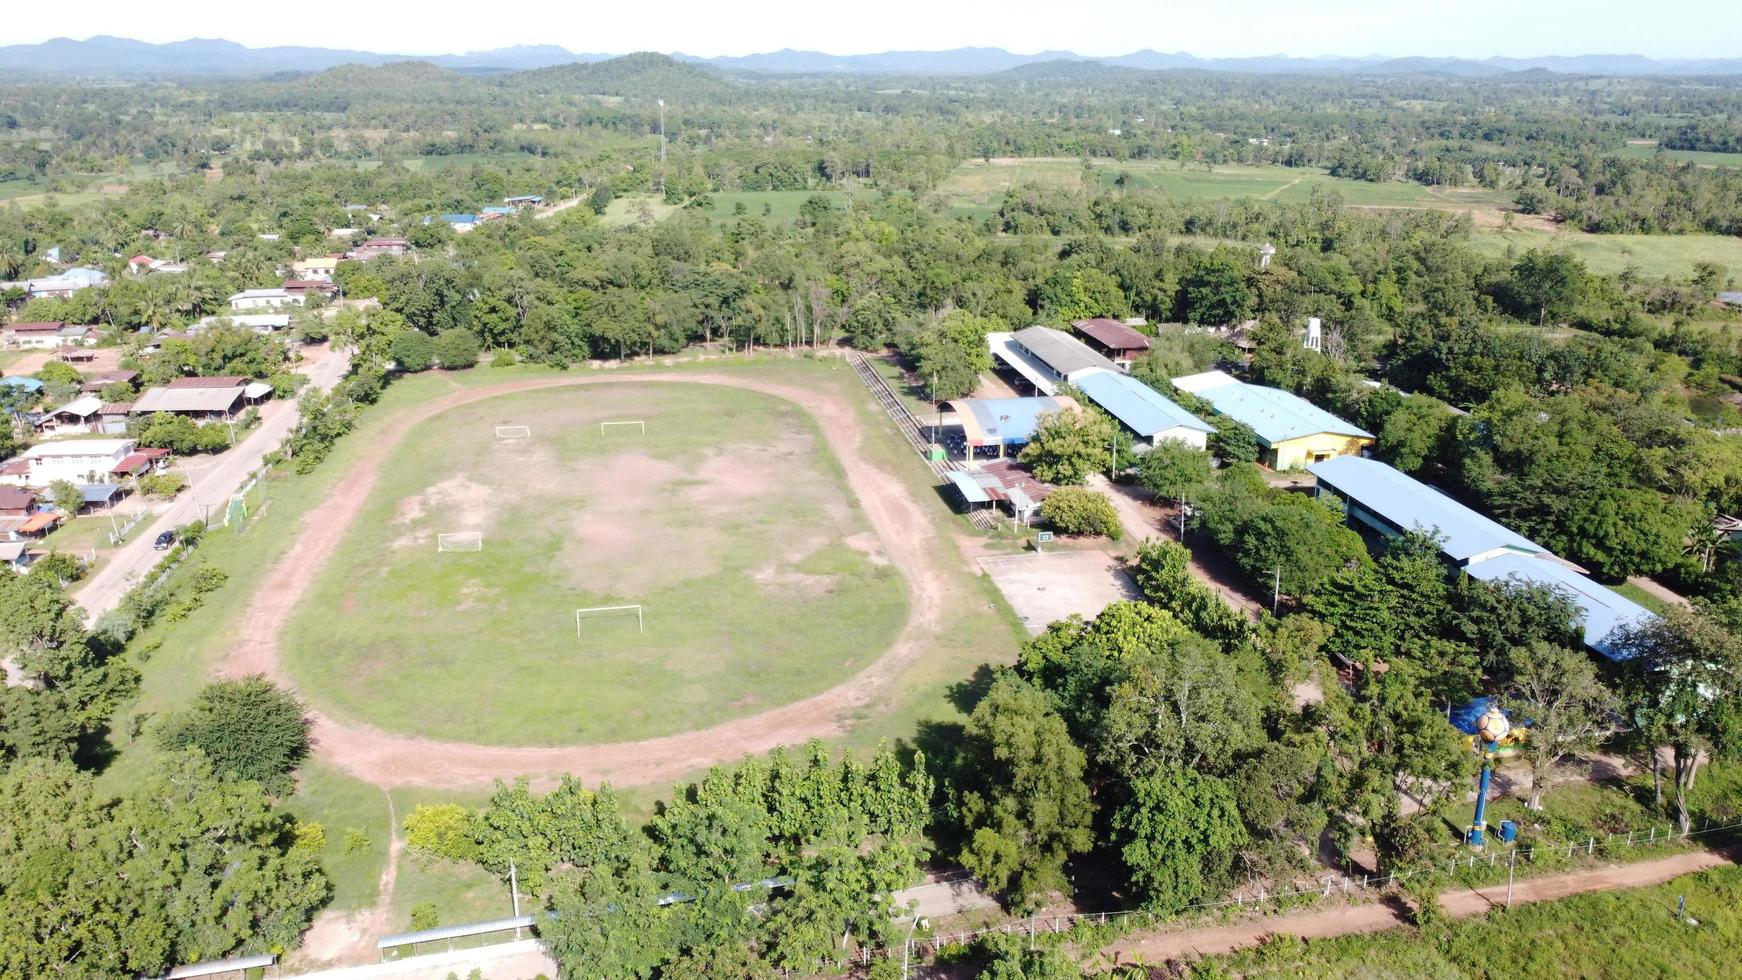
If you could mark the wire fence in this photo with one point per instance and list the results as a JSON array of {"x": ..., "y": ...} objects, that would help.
[{"x": 1258, "y": 898}]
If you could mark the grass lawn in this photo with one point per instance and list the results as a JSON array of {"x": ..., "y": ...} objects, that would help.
[
  {"x": 727, "y": 521},
  {"x": 629, "y": 209},
  {"x": 1639, "y": 595},
  {"x": 341, "y": 804},
  {"x": 1622, "y": 934}
]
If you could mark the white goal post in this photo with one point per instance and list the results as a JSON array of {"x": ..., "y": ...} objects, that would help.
[
  {"x": 640, "y": 624},
  {"x": 460, "y": 541},
  {"x": 638, "y": 423},
  {"x": 514, "y": 432}
]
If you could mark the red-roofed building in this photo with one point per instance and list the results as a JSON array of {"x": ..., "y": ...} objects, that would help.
[
  {"x": 311, "y": 287},
  {"x": 1118, "y": 341}
]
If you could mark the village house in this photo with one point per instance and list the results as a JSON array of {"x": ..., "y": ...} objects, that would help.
[
  {"x": 320, "y": 267},
  {"x": 377, "y": 247},
  {"x": 79, "y": 416},
  {"x": 73, "y": 460},
  {"x": 265, "y": 299},
  {"x": 202, "y": 404}
]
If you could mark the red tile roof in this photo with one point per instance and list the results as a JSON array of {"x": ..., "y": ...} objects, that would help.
[{"x": 39, "y": 326}]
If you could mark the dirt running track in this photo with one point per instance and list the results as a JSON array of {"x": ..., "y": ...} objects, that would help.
[
  {"x": 389, "y": 759},
  {"x": 1155, "y": 948}
]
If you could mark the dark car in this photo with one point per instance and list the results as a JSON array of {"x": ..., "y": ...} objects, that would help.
[{"x": 164, "y": 540}]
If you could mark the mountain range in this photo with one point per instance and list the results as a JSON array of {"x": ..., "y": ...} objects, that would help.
[{"x": 105, "y": 56}]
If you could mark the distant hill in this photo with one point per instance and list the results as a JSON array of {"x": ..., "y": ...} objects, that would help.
[
  {"x": 114, "y": 56},
  {"x": 642, "y": 74}
]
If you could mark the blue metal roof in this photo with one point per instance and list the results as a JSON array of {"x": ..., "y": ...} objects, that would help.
[
  {"x": 18, "y": 381},
  {"x": 1010, "y": 421},
  {"x": 1143, "y": 409},
  {"x": 1410, "y": 505},
  {"x": 968, "y": 487},
  {"x": 460, "y": 219},
  {"x": 1274, "y": 414},
  {"x": 1604, "y": 609}
]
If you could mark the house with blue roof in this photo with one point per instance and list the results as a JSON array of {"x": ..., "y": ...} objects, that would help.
[
  {"x": 1150, "y": 415},
  {"x": 1378, "y": 498},
  {"x": 1293, "y": 431},
  {"x": 1003, "y": 423}
]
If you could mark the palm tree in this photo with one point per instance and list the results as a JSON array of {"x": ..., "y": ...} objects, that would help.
[{"x": 1706, "y": 542}]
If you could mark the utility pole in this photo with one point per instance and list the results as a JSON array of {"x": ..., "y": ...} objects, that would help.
[{"x": 662, "y": 148}]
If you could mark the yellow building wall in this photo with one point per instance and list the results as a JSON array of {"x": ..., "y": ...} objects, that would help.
[{"x": 1293, "y": 453}]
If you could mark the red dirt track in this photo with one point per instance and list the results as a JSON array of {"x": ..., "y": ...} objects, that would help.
[{"x": 388, "y": 759}]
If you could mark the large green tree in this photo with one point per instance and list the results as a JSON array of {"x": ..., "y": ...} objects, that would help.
[
  {"x": 1177, "y": 835},
  {"x": 1069, "y": 445},
  {"x": 1024, "y": 808},
  {"x": 249, "y": 728}
]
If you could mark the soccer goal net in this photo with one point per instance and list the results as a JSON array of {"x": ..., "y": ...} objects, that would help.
[
  {"x": 514, "y": 432},
  {"x": 460, "y": 541},
  {"x": 593, "y": 612},
  {"x": 640, "y": 425}
]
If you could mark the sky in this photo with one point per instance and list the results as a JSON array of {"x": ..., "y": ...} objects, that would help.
[{"x": 1210, "y": 28}]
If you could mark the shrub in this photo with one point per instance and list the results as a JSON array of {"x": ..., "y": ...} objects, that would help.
[
  {"x": 162, "y": 484},
  {"x": 424, "y": 916},
  {"x": 445, "y": 830},
  {"x": 311, "y": 837},
  {"x": 413, "y": 350},
  {"x": 456, "y": 349},
  {"x": 356, "y": 840},
  {"x": 1075, "y": 510},
  {"x": 249, "y": 728}
]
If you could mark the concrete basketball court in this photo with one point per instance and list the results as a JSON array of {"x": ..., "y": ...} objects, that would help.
[{"x": 1052, "y": 585}]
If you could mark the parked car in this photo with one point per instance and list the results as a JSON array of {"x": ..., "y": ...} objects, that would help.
[{"x": 164, "y": 540}]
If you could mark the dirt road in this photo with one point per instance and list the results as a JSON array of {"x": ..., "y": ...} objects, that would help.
[
  {"x": 1158, "y": 947},
  {"x": 388, "y": 759},
  {"x": 1142, "y": 520},
  {"x": 211, "y": 481}
]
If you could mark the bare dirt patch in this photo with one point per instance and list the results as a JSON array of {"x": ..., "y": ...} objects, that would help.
[
  {"x": 1054, "y": 585},
  {"x": 457, "y": 504}
]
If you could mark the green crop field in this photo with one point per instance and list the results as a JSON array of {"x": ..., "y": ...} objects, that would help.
[{"x": 728, "y": 521}]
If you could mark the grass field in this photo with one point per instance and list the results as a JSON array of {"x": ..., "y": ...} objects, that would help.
[
  {"x": 1639, "y": 595},
  {"x": 630, "y": 208},
  {"x": 977, "y": 185},
  {"x": 1622, "y": 934},
  {"x": 1704, "y": 158},
  {"x": 728, "y": 521},
  {"x": 1652, "y": 255}
]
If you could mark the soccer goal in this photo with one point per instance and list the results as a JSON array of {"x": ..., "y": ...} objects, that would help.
[
  {"x": 460, "y": 541},
  {"x": 514, "y": 432},
  {"x": 582, "y": 614},
  {"x": 639, "y": 424}
]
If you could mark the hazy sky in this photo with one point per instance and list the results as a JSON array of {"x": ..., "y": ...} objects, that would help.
[{"x": 1470, "y": 28}]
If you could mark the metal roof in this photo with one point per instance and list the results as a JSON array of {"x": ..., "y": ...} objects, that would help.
[
  {"x": 1144, "y": 410},
  {"x": 968, "y": 487},
  {"x": 1410, "y": 505},
  {"x": 99, "y": 493},
  {"x": 1604, "y": 609},
  {"x": 1005, "y": 421},
  {"x": 209, "y": 381},
  {"x": 187, "y": 400},
  {"x": 84, "y": 407},
  {"x": 28, "y": 384},
  {"x": 1274, "y": 414},
  {"x": 274, "y": 292},
  {"x": 1065, "y": 354},
  {"x": 1005, "y": 349},
  {"x": 1112, "y": 333},
  {"x": 79, "y": 447}
]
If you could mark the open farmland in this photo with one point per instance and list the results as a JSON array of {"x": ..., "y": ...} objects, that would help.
[{"x": 727, "y": 521}]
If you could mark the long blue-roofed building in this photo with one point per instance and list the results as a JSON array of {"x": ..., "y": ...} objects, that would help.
[
  {"x": 1149, "y": 414},
  {"x": 1379, "y": 499}
]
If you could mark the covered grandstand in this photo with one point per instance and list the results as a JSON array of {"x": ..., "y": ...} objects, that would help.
[{"x": 1001, "y": 422}]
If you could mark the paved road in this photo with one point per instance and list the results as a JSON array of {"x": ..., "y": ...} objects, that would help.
[{"x": 211, "y": 481}]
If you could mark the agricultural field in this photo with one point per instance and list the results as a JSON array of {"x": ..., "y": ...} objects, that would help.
[
  {"x": 727, "y": 521},
  {"x": 979, "y": 185},
  {"x": 1651, "y": 255},
  {"x": 1703, "y": 158}
]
